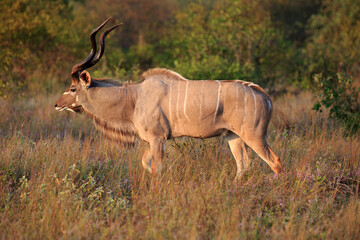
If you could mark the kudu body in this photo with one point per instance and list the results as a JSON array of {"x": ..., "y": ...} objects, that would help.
[{"x": 165, "y": 105}]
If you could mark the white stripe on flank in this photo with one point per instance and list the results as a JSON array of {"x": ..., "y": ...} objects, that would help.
[
  {"x": 254, "y": 103},
  {"x": 177, "y": 103},
  {"x": 237, "y": 98},
  {"x": 218, "y": 101},
  {"x": 185, "y": 100},
  {"x": 170, "y": 94},
  {"x": 201, "y": 97},
  {"x": 245, "y": 103}
]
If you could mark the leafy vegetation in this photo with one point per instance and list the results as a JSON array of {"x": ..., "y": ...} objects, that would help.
[
  {"x": 333, "y": 38},
  {"x": 236, "y": 39},
  {"x": 275, "y": 43},
  {"x": 341, "y": 98},
  {"x": 33, "y": 36}
]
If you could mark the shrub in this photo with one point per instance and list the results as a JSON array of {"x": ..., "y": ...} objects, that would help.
[
  {"x": 232, "y": 40},
  {"x": 334, "y": 38},
  {"x": 341, "y": 98}
]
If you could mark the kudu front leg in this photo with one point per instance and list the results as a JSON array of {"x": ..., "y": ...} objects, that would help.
[
  {"x": 156, "y": 154},
  {"x": 146, "y": 160},
  {"x": 238, "y": 149},
  {"x": 262, "y": 148}
]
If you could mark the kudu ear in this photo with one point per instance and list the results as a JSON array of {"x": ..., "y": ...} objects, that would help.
[{"x": 85, "y": 79}]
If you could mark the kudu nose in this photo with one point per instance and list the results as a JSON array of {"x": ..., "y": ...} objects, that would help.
[{"x": 55, "y": 105}]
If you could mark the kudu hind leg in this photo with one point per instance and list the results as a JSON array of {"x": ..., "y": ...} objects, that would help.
[
  {"x": 262, "y": 148},
  {"x": 238, "y": 149}
]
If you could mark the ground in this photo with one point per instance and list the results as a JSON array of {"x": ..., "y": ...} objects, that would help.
[{"x": 60, "y": 179}]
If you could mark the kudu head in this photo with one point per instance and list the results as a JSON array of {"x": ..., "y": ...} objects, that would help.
[{"x": 81, "y": 79}]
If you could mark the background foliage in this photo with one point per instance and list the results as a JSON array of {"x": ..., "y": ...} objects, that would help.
[
  {"x": 341, "y": 98},
  {"x": 334, "y": 38},
  {"x": 34, "y": 36},
  {"x": 276, "y": 43}
]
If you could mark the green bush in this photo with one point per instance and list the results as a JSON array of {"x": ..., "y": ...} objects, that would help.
[
  {"x": 275, "y": 43},
  {"x": 36, "y": 39},
  {"x": 232, "y": 40},
  {"x": 334, "y": 38},
  {"x": 341, "y": 98}
]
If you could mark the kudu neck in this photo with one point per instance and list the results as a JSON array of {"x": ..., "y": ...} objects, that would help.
[
  {"x": 112, "y": 110},
  {"x": 111, "y": 103}
]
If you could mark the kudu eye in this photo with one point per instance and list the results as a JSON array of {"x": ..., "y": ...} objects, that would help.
[{"x": 73, "y": 89}]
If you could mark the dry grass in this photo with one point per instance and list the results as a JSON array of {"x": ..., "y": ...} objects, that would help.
[{"x": 60, "y": 179}]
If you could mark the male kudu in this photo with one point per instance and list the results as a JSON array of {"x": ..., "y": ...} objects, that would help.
[{"x": 165, "y": 105}]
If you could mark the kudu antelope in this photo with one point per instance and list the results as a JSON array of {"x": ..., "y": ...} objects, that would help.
[{"x": 165, "y": 105}]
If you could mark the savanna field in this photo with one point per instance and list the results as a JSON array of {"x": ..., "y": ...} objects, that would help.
[{"x": 59, "y": 178}]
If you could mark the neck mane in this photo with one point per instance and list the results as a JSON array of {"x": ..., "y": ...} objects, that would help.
[
  {"x": 124, "y": 135},
  {"x": 161, "y": 72},
  {"x": 120, "y": 130},
  {"x": 112, "y": 82}
]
